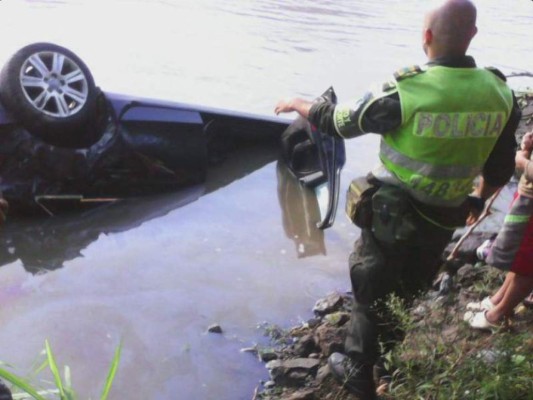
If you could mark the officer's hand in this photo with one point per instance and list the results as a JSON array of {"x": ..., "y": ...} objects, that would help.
[
  {"x": 284, "y": 106},
  {"x": 4, "y": 206},
  {"x": 473, "y": 216},
  {"x": 476, "y": 205}
]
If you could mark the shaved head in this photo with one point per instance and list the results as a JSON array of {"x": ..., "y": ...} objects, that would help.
[{"x": 448, "y": 29}]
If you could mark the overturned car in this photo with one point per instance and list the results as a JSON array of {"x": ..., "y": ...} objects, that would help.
[{"x": 66, "y": 143}]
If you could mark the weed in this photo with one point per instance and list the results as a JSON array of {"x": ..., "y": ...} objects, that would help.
[
  {"x": 63, "y": 388},
  {"x": 442, "y": 359}
]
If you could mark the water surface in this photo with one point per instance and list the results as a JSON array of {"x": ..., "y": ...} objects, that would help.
[{"x": 158, "y": 273}]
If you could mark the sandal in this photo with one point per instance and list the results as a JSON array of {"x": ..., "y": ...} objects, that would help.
[
  {"x": 478, "y": 320},
  {"x": 483, "y": 305},
  {"x": 528, "y": 301}
]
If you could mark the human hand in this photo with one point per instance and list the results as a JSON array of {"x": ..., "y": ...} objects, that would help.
[
  {"x": 527, "y": 141},
  {"x": 284, "y": 106},
  {"x": 476, "y": 206},
  {"x": 289, "y": 104},
  {"x": 521, "y": 159}
]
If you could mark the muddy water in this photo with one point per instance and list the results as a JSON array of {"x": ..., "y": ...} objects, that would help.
[{"x": 238, "y": 250}]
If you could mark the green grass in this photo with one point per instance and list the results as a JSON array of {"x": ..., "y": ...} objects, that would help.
[
  {"x": 462, "y": 364},
  {"x": 63, "y": 389}
]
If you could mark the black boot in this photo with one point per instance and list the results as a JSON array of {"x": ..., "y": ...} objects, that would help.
[{"x": 356, "y": 377}]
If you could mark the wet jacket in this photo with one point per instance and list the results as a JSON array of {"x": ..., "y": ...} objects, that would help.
[{"x": 381, "y": 112}]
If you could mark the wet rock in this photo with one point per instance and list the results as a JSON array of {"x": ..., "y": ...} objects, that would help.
[
  {"x": 269, "y": 384},
  {"x": 329, "y": 304},
  {"x": 330, "y": 339},
  {"x": 267, "y": 355},
  {"x": 215, "y": 328},
  {"x": 252, "y": 350},
  {"x": 292, "y": 372}
]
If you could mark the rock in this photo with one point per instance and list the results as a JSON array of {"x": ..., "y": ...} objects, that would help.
[
  {"x": 329, "y": 304},
  {"x": 445, "y": 284},
  {"x": 468, "y": 274},
  {"x": 252, "y": 350},
  {"x": 267, "y": 355},
  {"x": 292, "y": 372},
  {"x": 337, "y": 318},
  {"x": 467, "y": 252},
  {"x": 215, "y": 328},
  {"x": 491, "y": 356},
  {"x": 323, "y": 373},
  {"x": 330, "y": 339},
  {"x": 305, "y": 346},
  {"x": 313, "y": 322},
  {"x": 304, "y": 394},
  {"x": 269, "y": 384},
  {"x": 450, "y": 333}
]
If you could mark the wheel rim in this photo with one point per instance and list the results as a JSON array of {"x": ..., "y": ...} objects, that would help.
[{"x": 54, "y": 84}]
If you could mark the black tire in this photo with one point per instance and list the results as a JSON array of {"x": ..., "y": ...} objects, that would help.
[{"x": 50, "y": 91}]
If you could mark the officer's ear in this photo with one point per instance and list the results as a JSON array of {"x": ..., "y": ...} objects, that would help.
[
  {"x": 427, "y": 36},
  {"x": 474, "y": 31}
]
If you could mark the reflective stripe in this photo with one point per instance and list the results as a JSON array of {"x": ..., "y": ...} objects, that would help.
[
  {"x": 517, "y": 219},
  {"x": 433, "y": 200},
  {"x": 426, "y": 169}
]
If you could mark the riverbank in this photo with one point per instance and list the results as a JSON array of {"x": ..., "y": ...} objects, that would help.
[{"x": 441, "y": 356}]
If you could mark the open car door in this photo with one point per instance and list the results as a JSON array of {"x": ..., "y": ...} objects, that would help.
[{"x": 316, "y": 160}]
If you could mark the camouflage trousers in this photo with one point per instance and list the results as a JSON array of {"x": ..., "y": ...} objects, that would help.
[{"x": 379, "y": 269}]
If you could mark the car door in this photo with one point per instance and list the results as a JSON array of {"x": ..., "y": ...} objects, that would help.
[{"x": 316, "y": 161}]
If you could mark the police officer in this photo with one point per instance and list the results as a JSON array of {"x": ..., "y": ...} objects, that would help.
[{"x": 442, "y": 125}]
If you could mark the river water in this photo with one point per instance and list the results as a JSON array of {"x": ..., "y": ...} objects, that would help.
[{"x": 156, "y": 274}]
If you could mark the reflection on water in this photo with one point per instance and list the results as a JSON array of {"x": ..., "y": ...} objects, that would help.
[
  {"x": 46, "y": 243},
  {"x": 301, "y": 213}
]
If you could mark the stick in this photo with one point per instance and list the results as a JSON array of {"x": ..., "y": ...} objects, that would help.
[{"x": 485, "y": 213}]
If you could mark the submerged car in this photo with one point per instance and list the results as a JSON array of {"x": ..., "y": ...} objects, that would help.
[{"x": 65, "y": 142}]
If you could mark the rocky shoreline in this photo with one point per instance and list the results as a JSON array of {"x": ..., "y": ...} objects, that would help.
[{"x": 297, "y": 360}]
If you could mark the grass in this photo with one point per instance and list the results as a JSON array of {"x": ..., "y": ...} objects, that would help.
[
  {"x": 444, "y": 359},
  {"x": 62, "y": 384}
]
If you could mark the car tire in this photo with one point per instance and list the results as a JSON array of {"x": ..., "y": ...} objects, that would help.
[{"x": 50, "y": 91}]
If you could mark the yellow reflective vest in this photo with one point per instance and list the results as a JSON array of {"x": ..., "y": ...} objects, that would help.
[{"x": 451, "y": 120}]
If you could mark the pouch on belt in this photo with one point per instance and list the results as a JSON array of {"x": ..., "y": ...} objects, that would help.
[
  {"x": 393, "y": 216},
  {"x": 359, "y": 201}
]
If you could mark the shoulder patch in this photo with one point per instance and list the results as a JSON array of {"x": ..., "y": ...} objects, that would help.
[
  {"x": 388, "y": 86},
  {"x": 498, "y": 73},
  {"x": 407, "y": 72}
]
